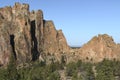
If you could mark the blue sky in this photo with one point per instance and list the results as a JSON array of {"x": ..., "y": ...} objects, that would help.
[{"x": 79, "y": 20}]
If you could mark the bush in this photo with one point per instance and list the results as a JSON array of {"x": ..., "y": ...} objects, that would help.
[
  {"x": 105, "y": 70},
  {"x": 54, "y": 76},
  {"x": 3, "y": 74},
  {"x": 71, "y": 68}
]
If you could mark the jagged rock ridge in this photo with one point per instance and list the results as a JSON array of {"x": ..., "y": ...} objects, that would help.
[
  {"x": 27, "y": 35},
  {"x": 98, "y": 48}
]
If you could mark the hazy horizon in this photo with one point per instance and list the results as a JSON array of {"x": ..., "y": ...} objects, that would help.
[{"x": 80, "y": 20}]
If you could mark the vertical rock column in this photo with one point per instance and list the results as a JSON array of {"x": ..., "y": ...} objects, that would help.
[{"x": 22, "y": 32}]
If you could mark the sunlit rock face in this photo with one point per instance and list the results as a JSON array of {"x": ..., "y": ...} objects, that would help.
[
  {"x": 29, "y": 37},
  {"x": 100, "y": 47},
  {"x": 96, "y": 50},
  {"x": 26, "y": 35}
]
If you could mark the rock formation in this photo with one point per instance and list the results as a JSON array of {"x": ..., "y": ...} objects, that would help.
[
  {"x": 100, "y": 47},
  {"x": 27, "y": 35},
  {"x": 96, "y": 50}
]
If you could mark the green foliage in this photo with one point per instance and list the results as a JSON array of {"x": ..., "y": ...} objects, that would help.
[
  {"x": 75, "y": 76},
  {"x": 54, "y": 76},
  {"x": 71, "y": 68},
  {"x": 40, "y": 72},
  {"x": 11, "y": 72},
  {"x": 11, "y": 69},
  {"x": 79, "y": 63},
  {"x": 105, "y": 70},
  {"x": 24, "y": 73},
  {"x": 3, "y": 74},
  {"x": 88, "y": 73}
]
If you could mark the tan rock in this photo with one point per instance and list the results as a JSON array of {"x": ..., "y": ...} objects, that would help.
[
  {"x": 50, "y": 39},
  {"x": 63, "y": 46},
  {"x": 100, "y": 47},
  {"x": 27, "y": 35}
]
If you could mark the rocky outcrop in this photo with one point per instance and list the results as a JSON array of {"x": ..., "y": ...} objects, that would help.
[
  {"x": 54, "y": 41},
  {"x": 61, "y": 40},
  {"x": 16, "y": 25},
  {"x": 27, "y": 35},
  {"x": 98, "y": 48}
]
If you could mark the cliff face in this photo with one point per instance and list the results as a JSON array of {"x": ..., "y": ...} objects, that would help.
[
  {"x": 29, "y": 37},
  {"x": 26, "y": 35}
]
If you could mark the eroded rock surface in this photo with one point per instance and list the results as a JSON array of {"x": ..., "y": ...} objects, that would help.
[
  {"x": 26, "y": 34},
  {"x": 98, "y": 48},
  {"x": 29, "y": 37}
]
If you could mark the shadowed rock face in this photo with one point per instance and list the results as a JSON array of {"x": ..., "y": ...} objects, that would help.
[
  {"x": 29, "y": 37},
  {"x": 26, "y": 34}
]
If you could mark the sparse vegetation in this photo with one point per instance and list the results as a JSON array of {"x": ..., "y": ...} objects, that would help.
[
  {"x": 105, "y": 70},
  {"x": 108, "y": 70}
]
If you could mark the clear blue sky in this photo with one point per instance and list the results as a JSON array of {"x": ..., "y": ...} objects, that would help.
[{"x": 80, "y": 20}]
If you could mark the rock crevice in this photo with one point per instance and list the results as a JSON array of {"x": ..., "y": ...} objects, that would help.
[
  {"x": 12, "y": 43},
  {"x": 29, "y": 37},
  {"x": 26, "y": 34}
]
